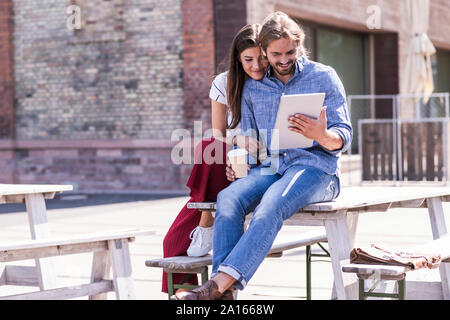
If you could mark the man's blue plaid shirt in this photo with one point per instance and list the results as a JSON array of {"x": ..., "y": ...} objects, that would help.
[{"x": 260, "y": 101}]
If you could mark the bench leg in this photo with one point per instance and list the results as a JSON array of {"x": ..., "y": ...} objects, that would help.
[
  {"x": 400, "y": 295},
  {"x": 308, "y": 272},
  {"x": 101, "y": 267},
  {"x": 361, "y": 294},
  {"x": 172, "y": 286},
  {"x": 121, "y": 264},
  {"x": 170, "y": 290},
  {"x": 401, "y": 289},
  {"x": 439, "y": 229},
  {"x": 309, "y": 256},
  {"x": 205, "y": 275}
]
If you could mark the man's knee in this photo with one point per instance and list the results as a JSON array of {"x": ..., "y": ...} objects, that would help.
[
  {"x": 270, "y": 212},
  {"x": 226, "y": 202},
  {"x": 268, "y": 217},
  {"x": 231, "y": 205}
]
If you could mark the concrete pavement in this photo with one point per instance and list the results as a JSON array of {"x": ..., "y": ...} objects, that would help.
[{"x": 277, "y": 278}]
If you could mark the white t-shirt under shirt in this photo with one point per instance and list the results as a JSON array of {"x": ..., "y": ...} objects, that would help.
[{"x": 218, "y": 93}]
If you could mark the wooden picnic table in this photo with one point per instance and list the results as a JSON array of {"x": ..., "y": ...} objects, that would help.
[
  {"x": 110, "y": 251},
  {"x": 340, "y": 219},
  {"x": 34, "y": 198}
]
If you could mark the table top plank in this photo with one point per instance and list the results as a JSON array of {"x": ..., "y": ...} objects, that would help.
[
  {"x": 21, "y": 189},
  {"x": 366, "y": 197}
]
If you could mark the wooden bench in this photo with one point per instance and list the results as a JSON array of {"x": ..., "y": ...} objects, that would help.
[
  {"x": 398, "y": 273},
  {"x": 199, "y": 265},
  {"x": 109, "y": 249}
]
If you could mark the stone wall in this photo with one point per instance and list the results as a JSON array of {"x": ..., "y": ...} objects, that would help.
[
  {"x": 94, "y": 107},
  {"x": 6, "y": 70},
  {"x": 198, "y": 55},
  {"x": 126, "y": 166},
  {"x": 118, "y": 80}
]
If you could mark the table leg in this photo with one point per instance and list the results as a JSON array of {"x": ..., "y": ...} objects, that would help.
[
  {"x": 340, "y": 243},
  {"x": 121, "y": 264},
  {"x": 101, "y": 267},
  {"x": 352, "y": 224},
  {"x": 439, "y": 229},
  {"x": 37, "y": 218}
]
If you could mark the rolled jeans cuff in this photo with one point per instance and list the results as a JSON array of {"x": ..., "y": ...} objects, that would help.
[{"x": 232, "y": 272}]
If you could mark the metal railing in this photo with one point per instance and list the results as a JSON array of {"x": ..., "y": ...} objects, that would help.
[
  {"x": 403, "y": 108},
  {"x": 398, "y": 138}
]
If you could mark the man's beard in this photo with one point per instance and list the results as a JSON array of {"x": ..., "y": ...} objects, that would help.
[{"x": 284, "y": 72}]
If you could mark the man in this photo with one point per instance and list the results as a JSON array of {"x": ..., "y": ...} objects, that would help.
[{"x": 302, "y": 177}]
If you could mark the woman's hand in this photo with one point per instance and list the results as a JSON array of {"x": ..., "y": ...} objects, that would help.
[
  {"x": 251, "y": 145},
  {"x": 230, "y": 172},
  {"x": 248, "y": 143}
]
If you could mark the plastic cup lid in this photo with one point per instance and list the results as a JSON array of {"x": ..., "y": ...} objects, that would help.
[{"x": 237, "y": 152}]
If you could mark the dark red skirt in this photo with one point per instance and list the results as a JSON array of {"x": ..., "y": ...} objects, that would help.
[{"x": 207, "y": 179}]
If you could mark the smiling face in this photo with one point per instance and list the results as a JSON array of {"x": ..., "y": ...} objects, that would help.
[
  {"x": 282, "y": 55},
  {"x": 254, "y": 63}
]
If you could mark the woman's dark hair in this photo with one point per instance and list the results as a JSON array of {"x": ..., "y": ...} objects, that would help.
[{"x": 246, "y": 38}]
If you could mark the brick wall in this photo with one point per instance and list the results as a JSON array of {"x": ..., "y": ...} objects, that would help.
[
  {"x": 125, "y": 166},
  {"x": 229, "y": 17},
  {"x": 96, "y": 107},
  {"x": 439, "y": 30},
  {"x": 6, "y": 71},
  {"x": 198, "y": 55},
  {"x": 115, "y": 84}
]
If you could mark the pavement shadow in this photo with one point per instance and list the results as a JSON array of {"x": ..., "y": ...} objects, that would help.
[{"x": 61, "y": 201}]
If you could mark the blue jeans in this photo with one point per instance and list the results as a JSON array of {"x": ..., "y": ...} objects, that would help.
[{"x": 273, "y": 199}]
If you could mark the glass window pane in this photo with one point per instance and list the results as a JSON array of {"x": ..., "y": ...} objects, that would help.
[
  {"x": 442, "y": 83},
  {"x": 345, "y": 52}
]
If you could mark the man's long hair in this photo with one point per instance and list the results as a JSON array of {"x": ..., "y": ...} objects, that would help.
[{"x": 278, "y": 25}]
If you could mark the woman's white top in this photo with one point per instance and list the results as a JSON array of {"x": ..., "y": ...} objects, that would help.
[{"x": 218, "y": 93}]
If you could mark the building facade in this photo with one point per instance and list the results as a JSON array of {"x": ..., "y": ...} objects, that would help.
[{"x": 97, "y": 93}]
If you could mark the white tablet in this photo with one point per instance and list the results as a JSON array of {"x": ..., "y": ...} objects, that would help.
[{"x": 307, "y": 104}]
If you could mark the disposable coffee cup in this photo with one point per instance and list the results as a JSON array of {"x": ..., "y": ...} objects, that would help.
[{"x": 238, "y": 161}]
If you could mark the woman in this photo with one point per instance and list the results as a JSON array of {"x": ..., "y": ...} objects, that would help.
[{"x": 191, "y": 232}]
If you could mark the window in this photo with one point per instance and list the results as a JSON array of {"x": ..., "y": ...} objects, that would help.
[
  {"x": 441, "y": 71},
  {"x": 347, "y": 53}
]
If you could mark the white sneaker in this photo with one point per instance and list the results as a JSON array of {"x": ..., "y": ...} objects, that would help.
[{"x": 201, "y": 241}]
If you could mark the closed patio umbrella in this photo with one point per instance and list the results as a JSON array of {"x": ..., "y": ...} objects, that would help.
[{"x": 417, "y": 76}]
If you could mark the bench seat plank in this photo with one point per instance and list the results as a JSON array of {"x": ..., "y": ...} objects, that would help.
[
  {"x": 114, "y": 251},
  {"x": 180, "y": 262},
  {"x": 66, "y": 292},
  {"x": 371, "y": 269},
  {"x": 90, "y": 237},
  {"x": 187, "y": 263}
]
